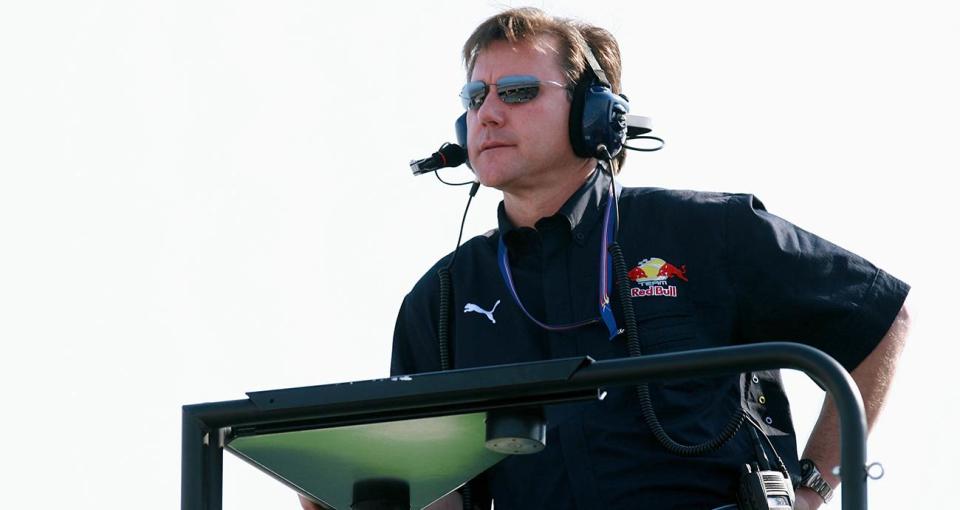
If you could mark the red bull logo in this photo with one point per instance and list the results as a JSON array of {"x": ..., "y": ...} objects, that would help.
[{"x": 653, "y": 275}]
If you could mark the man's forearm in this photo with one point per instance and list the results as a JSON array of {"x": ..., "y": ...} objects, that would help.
[{"x": 873, "y": 377}]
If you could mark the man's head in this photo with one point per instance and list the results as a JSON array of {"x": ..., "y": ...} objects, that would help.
[{"x": 530, "y": 139}]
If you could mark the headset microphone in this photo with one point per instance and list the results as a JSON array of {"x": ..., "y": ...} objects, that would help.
[{"x": 449, "y": 155}]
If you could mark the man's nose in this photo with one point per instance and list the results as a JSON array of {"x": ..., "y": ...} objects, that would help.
[{"x": 491, "y": 111}]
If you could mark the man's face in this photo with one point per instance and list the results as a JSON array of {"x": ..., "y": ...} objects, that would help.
[{"x": 513, "y": 147}]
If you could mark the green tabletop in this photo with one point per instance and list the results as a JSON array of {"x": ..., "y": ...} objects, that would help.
[{"x": 432, "y": 455}]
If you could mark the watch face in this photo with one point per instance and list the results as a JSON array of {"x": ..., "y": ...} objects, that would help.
[{"x": 805, "y": 467}]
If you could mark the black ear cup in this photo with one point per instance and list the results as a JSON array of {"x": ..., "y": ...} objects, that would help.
[
  {"x": 597, "y": 117},
  {"x": 461, "y": 128}
]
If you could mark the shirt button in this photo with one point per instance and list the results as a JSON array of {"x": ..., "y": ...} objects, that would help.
[
  {"x": 769, "y": 420},
  {"x": 755, "y": 379},
  {"x": 762, "y": 399}
]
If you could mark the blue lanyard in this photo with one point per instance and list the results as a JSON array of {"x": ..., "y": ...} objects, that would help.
[{"x": 606, "y": 278}]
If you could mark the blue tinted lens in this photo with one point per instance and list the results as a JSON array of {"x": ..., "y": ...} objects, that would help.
[
  {"x": 517, "y": 89},
  {"x": 472, "y": 94}
]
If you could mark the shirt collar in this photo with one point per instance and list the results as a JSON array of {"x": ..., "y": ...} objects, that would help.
[{"x": 581, "y": 211}]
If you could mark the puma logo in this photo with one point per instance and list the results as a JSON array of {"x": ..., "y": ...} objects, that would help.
[{"x": 474, "y": 308}]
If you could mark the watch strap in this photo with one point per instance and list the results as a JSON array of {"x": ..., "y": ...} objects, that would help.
[{"x": 812, "y": 479}]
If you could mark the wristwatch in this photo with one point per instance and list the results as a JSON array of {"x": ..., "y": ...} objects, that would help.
[{"x": 810, "y": 478}]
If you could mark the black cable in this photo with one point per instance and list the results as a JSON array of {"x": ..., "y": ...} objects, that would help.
[
  {"x": 645, "y": 137},
  {"x": 437, "y": 173},
  {"x": 463, "y": 221},
  {"x": 443, "y": 321},
  {"x": 780, "y": 464},
  {"x": 762, "y": 459}
]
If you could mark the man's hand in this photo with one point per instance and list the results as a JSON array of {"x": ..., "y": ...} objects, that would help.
[
  {"x": 807, "y": 499},
  {"x": 306, "y": 504}
]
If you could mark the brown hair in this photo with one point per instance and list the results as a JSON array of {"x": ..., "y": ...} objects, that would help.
[{"x": 527, "y": 23}]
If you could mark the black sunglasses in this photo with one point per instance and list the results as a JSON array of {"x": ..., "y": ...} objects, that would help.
[{"x": 514, "y": 89}]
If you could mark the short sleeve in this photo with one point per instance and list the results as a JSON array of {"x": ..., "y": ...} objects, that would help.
[{"x": 792, "y": 285}]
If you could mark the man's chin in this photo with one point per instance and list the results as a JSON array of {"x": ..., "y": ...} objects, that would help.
[{"x": 492, "y": 177}]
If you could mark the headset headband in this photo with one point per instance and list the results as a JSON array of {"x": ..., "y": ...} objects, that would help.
[{"x": 594, "y": 64}]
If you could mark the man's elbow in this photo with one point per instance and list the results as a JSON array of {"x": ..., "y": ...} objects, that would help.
[
  {"x": 884, "y": 357},
  {"x": 900, "y": 327}
]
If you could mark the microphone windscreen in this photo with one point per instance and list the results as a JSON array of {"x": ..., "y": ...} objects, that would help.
[{"x": 453, "y": 155}]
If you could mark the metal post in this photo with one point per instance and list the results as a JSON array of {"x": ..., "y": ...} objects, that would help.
[
  {"x": 201, "y": 470},
  {"x": 191, "y": 463},
  {"x": 213, "y": 469}
]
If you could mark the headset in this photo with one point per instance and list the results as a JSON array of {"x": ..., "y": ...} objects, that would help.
[{"x": 598, "y": 118}]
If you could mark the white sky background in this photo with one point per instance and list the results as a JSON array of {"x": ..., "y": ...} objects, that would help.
[{"x": 199, "y": 199}]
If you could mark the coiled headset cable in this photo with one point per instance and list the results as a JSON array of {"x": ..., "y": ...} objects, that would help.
[
  {"x": 633, "y": 348},
  {"x": 446, "y": 284}
]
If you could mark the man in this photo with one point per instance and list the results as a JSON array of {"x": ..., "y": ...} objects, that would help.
[{"x": 706, "y": 270}]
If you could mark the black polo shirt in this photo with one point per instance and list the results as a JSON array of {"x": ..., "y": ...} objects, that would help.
[{"x": 707, "y": 270}]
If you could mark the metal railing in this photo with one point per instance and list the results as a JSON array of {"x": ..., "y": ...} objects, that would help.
[{"x": 206, "y": 426}]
